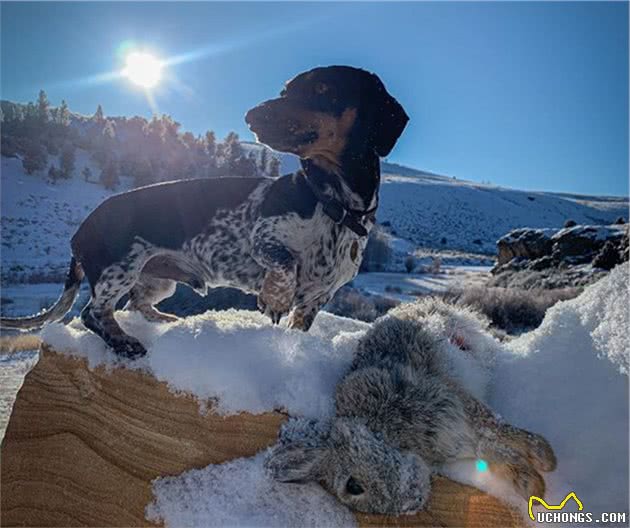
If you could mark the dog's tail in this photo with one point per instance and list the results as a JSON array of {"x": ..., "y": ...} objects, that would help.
[{"x": 57, "y": 310}]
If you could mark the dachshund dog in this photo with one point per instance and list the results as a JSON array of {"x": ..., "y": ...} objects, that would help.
[{"x": 294, "y": 240}]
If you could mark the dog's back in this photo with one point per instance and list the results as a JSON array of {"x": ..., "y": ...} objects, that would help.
[{"x": 164, "y": 215}]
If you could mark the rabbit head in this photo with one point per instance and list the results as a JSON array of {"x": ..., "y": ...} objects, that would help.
[{"x": 358, "y": 466}]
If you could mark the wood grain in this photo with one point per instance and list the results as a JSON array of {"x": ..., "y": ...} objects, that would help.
[{"x": 82, "y": 447}]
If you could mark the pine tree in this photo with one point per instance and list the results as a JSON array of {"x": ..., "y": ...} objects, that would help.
[
  {"x": 42, "y": 107},
  {"x": 274, "y": 167},
  {"x": 109, "y": 176},
  {"x": 18, "y": 113},
  {"x": 52, "y": 173},
  {"x": 34, "y": 157},
  {"x": 211, "y": 144},
  {"x": 86, "y": 173},
  {"x": 143, "y": 174},
  {"x": 188, "y": 139},
  {"x": 67, "y": 160},
  {"x": 233, "y": 152},
  {"x": 98, "y": 115},
  {"x": 63, "y": 114},
  {"x": 264, "y": 160}
]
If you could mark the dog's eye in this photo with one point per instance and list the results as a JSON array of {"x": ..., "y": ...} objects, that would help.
[
  {"x": 353, "y": 487},
  {"x": 321, "y": 88}
]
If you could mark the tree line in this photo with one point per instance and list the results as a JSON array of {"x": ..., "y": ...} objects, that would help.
[{"x": 147, "y": 151}]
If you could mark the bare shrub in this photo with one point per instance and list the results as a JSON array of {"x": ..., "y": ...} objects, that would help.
[
  {"x": 436, "y": 265},
  {"x": 377, "y": 253},
  {"x": 410, "y": 263},
  {"x": 350, "y": 302},
  {"x": 513, "y": 310}
]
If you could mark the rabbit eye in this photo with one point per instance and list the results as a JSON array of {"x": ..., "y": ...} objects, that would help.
[{"x": 353, "y": 487}]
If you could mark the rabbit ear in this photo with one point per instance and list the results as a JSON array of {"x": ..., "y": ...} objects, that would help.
[
  {"x": 295, "y": 462},
  {"x": 303, "y": 431}
]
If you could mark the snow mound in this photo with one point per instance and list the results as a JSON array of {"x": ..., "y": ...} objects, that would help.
[
  {"x": 240, "y": 493},
  {"x": 568, "y": 380},
  {"x": 235, "y": 359}
]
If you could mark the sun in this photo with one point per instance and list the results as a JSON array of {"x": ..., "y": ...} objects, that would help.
[{"x": 143, "y": 69}]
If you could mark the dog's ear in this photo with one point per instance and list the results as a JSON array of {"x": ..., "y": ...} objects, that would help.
[{"x": 390, "y": 119}]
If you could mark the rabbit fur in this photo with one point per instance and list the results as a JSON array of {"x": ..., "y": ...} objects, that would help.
[{"x": 404, "y": 409}]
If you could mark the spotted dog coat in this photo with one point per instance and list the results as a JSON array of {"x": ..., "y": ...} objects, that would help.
[{"x": 294, "y": 240}]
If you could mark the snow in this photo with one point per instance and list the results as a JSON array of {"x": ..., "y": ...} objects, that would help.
[
  {"x": 13, "y": 368},
  {"x": 519, "y": 234},
  {"x": 240, "y": 493},
  {"x": 39, "y": 218},
  {"x": 472, "y": 217},
  {"x": 406, "y": 286},
  {"x": 567, "y": 380},
  {"x": 19, "y": 300},
  {"x": 594, "y": 232},
  {"x": 234, "y": 359}
]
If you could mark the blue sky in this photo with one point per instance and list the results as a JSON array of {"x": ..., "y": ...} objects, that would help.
[{"x": 528, "y": 95}]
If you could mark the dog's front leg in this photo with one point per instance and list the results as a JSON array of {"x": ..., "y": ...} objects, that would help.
[
  {"x": 303, "y": 316},
  {"x": 278, "y": 288}
]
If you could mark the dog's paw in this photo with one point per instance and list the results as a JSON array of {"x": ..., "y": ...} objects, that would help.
[
  {"x": 129, "y": 348},
  {"x": 274, "y": 315},
  {"x": 301, "y": 320},
  {"x": 276, "y": 296}
]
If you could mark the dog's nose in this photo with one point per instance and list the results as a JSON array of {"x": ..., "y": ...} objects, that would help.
[
  {"x": 256, "y": 115},
  {"x": 249, "y": 116}
]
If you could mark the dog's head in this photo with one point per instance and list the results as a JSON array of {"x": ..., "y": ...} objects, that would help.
[{"x": 326, "y": 112}]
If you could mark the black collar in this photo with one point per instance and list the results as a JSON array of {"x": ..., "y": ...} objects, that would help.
[{"x": 337, "y": 211}]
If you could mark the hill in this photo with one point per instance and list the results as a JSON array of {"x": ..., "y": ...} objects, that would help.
[
  {"x": 429, "y": 211},
  {"x": 58, "y": 165}
]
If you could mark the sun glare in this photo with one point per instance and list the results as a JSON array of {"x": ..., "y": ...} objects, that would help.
[{"x": 143, "y": 69}]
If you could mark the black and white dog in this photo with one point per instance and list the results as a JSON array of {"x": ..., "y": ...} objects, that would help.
[{"x": 294, "y": 240}]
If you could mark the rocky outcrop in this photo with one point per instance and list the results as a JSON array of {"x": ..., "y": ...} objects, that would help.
[
  {"x": 525, "y": 243},
  {"x": 580, "y": 244},
  {"x": 82, "y": 447},
  {"x": 550, "y": 258}
]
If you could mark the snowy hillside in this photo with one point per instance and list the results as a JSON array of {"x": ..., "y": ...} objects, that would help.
[
  {"x": 567, "y": 380},
  {"x": 425, "y": 208},
  {"x": 39, "y": 218},
  {"x": 431, "y": 211},
  {"x": 442, "y": 212}
]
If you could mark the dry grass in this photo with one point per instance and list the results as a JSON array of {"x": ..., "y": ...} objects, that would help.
[
  {"x": 513, "y": 310},
  {"x": 349, "y": 302},
  {"x": 18, "y": 343}
]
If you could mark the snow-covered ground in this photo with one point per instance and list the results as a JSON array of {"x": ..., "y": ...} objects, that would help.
[
  {"x": 39, "y": 218},
  {"x": 406, "y": 286},
  {"x": 13, "y": 368},
  {"x": 19, "y": 300},
  {"x": 436, "y": 212},
  {"x": 567, "y": 380},
  {"x": 423, "y": 211}
]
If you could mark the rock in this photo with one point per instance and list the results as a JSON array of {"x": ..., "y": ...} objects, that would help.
[
  {"x": 608, "y": 257},
  {"x": 542, "y": 263},
  {"x": 82, "y": 447},
  {"x": 546, "y": 258},
  {"x": 579, "y": 244},
  {"x": 524, "y": 243}
]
